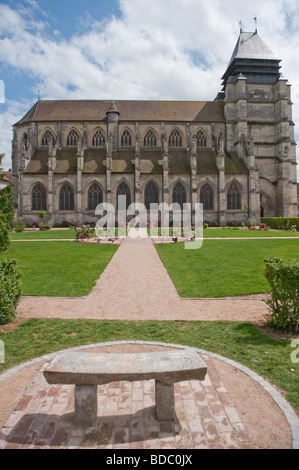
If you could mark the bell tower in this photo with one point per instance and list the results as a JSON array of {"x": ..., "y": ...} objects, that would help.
[{"x": 259, "y": 126}]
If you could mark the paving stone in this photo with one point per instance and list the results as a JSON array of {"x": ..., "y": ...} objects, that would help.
[{"x": 205, "y": 418}]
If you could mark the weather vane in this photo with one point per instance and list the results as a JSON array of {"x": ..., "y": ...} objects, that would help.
[{"x": 255, "y": 19}]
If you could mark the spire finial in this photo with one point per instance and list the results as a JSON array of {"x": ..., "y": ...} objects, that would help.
[
  {"x": 241, "y": 28},
  {"x": 255, "y": 20}
]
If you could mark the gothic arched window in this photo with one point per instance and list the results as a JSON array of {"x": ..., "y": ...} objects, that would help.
[
  {"x": 72, "y": 139},
  {"x": 151, "y": 195},
  {"x": 95, "y": 197},
  {"x": 207, "y": 197},
  {"x": 201, "y": 139},
  {"x": 66, "y": 198},
  {"x": 179, "y": 195},
  {"x": 123, "y": 190},
  {"x": 126, "y": 139},
  {"x": 46, "y": 138},
  {"x": 98, "y": 139},
  {"x": 175, "y": 139},
  {"x": 233, "y": 198},
  {"x": 39, "y": 198},
  {"x": 150, "y": 139}
]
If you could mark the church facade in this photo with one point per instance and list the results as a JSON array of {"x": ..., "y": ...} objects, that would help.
[{"x": 235, "y": 151}]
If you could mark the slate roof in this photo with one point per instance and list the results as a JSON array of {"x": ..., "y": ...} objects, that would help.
[
  {"x": 96, "y": 110},
  {"x": 251, "y": 46},
  {"x": 235, "y": 165},
  {"x": 253, "y": 59},
  {"x": 94, "y": 161},
  {"x": 123, "y": 162},
  {"x": 38, "y": 163}
]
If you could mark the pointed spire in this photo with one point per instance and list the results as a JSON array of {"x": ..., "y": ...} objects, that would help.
[
  {"x": 253, "y": 58},
  {"x": 112, "y": 113},
  {"x": 112, "y": 108}
]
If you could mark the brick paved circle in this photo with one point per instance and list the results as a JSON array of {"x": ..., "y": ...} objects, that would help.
[{"x": 205, "y": 414}]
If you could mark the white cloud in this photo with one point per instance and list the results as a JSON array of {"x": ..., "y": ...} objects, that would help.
[
  {"x": 14, "y": 111},
  {"x": 148, "y": 52}
]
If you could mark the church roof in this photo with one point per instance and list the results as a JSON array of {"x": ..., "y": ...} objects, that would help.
[
  {"x": 253, "y": 60},
  {"x": 130, "y": 110},
  {"x": 251, "y": 46}
]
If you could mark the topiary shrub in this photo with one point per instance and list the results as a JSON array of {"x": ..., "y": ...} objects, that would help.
[
  {"x": 283, "y": 277},
  {"x": 10, "y": 290}
]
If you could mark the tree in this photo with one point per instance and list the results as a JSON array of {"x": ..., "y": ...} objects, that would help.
[{"x": 6, "y": 211}]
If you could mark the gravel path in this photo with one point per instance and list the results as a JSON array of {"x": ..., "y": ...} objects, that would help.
[{"x": 136, "y": 286}]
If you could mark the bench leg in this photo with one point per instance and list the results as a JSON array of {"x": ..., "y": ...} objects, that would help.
[
  {"x": 86, "y": 405},
  {"x": 165, "y": 406}
]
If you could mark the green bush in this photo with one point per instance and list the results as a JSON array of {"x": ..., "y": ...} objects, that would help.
[
  {"x": 283, "y": 277},
  {"x": 19, "y": 226},
  {"x": 6, "y": 215},
  {"x": 281, "y": 223},
  {"x": 10, "y": 290}
]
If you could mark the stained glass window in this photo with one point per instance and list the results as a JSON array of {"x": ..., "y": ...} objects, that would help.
[
  {"x": 46, "y": 138},
  {"x": 66, "y": 198},
  {"x": 233, "y": 198},
  {"x": 175, "y": 139},
  {"x": 95, "y": 197},
  {"x": 98, "y": 139},
  {"x": 39, "y": 198},
  {"x": 201, "y": 139},
  {"x": 151, "y": 195},
  {"x": 150, "y": 139},
  {"x": 126, "y": 139},
  {"x": 207, "y": 197},
  {"x": 123, "y": 190},
  {"x": 179, "y": 195},
  {"x": 72, "y": 139}
]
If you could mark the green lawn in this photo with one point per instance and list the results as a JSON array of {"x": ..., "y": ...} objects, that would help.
[
  {"x": 59, "y": 268},
  {"x": 237, "y": 233},
  {"x": 223, "y": 267},
  {"x": 208, "y": 233},
  {"x": 241, "y": 342},
  {"x": 43, "y": 234}
]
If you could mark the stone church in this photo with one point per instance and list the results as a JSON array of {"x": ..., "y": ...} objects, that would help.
[{"x": 69, "y": 156}]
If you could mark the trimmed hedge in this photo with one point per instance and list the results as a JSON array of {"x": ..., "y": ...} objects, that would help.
[
  {"x": 10, "y": 290},
  {"x": 6, "y": 215},
  {"x": 284, "y": 223},
  {"x": 283, "y": 277}
]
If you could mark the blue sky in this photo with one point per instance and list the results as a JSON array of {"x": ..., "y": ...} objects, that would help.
[{"x": 131, "y": 49}]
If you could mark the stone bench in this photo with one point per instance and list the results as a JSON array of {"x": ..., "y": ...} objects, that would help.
[{"x": 88, "y": 370}]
